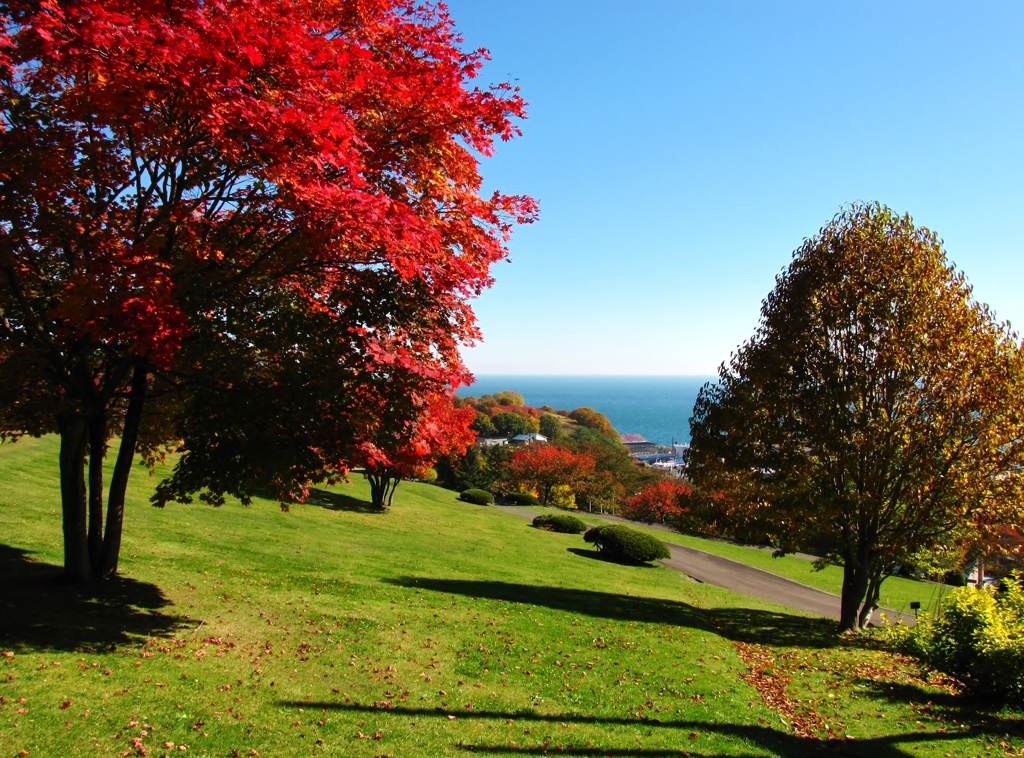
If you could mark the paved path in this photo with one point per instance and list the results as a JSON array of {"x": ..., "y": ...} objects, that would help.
[{"x": 739, "y": 577}]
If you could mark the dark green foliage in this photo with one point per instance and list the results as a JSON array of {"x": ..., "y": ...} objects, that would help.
[
  {"x": 476, "y": 469},
  {"x": 510, "y": 424},
  {"x": 551, "y": 427},
  {"x": 462, "y": 473},
  {"x": 624, "y": 544},
  {"x": 560, "y": 522},
  {"x": 954, "y": 578},
  {"x": 521, "y": 498},
  {"x": 477, "y": 497},
  {"x": 482, "y": 424}
]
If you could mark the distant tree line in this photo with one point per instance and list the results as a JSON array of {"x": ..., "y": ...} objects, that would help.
[{"x": 583, "y": 464}]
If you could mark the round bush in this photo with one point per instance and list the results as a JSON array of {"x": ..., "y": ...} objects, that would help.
[
  {"x": 477, "y": 497},
  {"x": 560, "y": 522},
  {"x": 977, "y": 639},
  {"x": 521, "y": 498},
  {"x": 624, "y": 544}
]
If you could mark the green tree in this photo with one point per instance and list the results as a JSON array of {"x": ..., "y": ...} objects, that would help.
[
  {"x": 875, "y": 411},
  {"x": 510, "y": 424},
  {"x": 551, "y": 427},
  {"x": 482, "y": 424}
]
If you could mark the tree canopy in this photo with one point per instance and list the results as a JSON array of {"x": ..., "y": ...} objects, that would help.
[
  {"x": 544, "y": 467},
  {"x": 510, "y": 424},
  {"x": 242, "y": 225},
  {"x": 875, "y": 412}
]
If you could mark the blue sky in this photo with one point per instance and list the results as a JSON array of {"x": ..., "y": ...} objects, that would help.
[{"x": 682, "y": 150}]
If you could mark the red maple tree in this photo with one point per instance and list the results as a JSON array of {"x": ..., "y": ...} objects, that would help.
[
  {"x": 659, "y": 502},
  {"x": 234, "y": 224},
  {"x": 541, "y": 467},
  {"x": 404, "y": 447}
]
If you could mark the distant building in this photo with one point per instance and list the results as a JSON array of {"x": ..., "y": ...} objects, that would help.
[
  {"x": 680, "y": 450},
  {"x": 533, "y": 438},
  {"x": 637, "y": 444},
  {"x": 490, "y": 441}
]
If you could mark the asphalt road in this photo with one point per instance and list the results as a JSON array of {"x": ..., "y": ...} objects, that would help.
[{"x": 738, "y": 577}]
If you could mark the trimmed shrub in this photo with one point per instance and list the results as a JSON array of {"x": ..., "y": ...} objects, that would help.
[
  {"x": 521, "y": 498},
  {"x": 477, "y": 497},
  {"x": 560, "y": 522},
  {"x": 624, "y": 544},
  {"x": 978, "y": 639}
]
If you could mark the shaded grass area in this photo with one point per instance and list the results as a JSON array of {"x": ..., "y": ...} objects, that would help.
[
  {"x": 434, "y": 628},
  {"x": 897, "y": 592},
  {"x": 39, "y": 610}
]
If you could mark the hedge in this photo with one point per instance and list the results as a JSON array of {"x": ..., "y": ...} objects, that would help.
[
  {"x": 521, "y": 498},
  {"x": 560, "y": 522},
  {"x": 477, "y": 497},
  {"x": 624, "y": 544}
]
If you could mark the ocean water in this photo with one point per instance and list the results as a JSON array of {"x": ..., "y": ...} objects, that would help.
[{"x": 658, "y": 407}]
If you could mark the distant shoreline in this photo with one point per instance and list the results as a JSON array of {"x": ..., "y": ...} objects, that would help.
[{"x": 656, "y": 406}]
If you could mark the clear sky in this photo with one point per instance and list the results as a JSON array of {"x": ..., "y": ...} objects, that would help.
[{"x": 681, "y": 150}]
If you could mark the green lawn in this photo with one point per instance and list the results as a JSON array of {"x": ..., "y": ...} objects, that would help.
[
  {"x": 437, "y": 628},
  {"x": 897, "y": 592}
]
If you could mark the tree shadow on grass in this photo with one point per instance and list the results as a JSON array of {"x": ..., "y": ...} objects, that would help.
[
  {"x": 334, "y": 501},
  {"x": 760, "y": 627},
  {"x": 39, "y": 610},
  {"x": 597, "y": 555},
  {"x": 735, "y": 624},
  {"x": 973, "y": 713},
  {"x": 738, "y": 625},
  {"x": 585, "y": 602},
  {"x": 766, "y": 738}
]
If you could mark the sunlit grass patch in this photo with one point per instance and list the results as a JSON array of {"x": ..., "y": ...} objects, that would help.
[{"x": 436, "y": 628}]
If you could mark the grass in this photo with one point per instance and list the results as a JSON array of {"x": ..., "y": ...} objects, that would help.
[
  {"x": 438, "y": 628},
  {"x": 897, "y": 592}
]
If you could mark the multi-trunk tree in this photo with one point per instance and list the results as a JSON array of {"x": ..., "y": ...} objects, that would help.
[
  {"x": 876, "y": 412},
  {"x": 238, "y": 225},
  {"x": 406, "y": 445}
]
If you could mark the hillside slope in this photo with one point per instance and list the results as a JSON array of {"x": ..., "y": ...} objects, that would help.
[{"x": 436, "y": 628}]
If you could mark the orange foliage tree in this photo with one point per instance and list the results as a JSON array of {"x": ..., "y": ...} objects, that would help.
[
  {"x": 662, "y": 502},
  {"x": 877, "y": 411},
  {"x": 541, "y": 467}
]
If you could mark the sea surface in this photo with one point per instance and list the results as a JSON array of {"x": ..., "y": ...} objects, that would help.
[{"x": 658, "y": 407}]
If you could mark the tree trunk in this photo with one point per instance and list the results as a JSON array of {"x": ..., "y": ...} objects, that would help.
[
  {"x": 108, "y": 559},
  {"x": 378, "y": 489},
  {"x": 394, "y": 486},
  {"x": 74, "y": 434},
  {"x": 97, "y": 452},
  {"x": 871, "y": 600},
  {"x": 981, "y": 572},
  {"x": 855, "y": 585}
]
